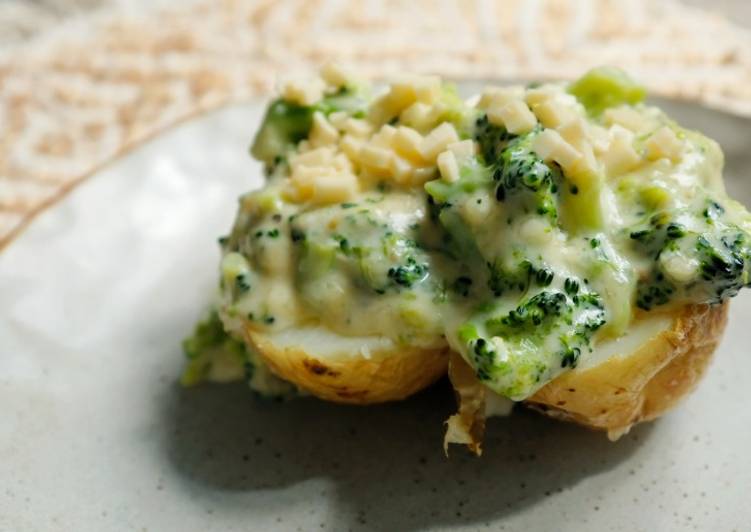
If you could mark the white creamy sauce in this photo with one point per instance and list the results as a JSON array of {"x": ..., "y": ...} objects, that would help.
[{"x": 523, "y": 227}]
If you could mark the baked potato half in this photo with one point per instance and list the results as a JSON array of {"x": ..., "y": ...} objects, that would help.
[
  {"x": 348, "y": 370},
  {"x": 564, "y": 245},
  {"x": 635, "y": 378}
]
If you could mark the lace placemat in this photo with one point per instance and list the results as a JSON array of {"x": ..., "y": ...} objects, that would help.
[{"x": 79, "y": 92}]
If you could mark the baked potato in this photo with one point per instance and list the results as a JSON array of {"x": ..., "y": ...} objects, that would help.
[
  {"x": 635, "y": 379},
  {"x": 349, "y": 370},
  {"x": 561, "y": 245}
]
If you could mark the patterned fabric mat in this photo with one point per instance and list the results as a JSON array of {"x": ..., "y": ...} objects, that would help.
[{"x": 77, "y": 91}]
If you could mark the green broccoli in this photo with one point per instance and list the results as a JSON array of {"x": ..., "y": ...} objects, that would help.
[
  {"x": 724, "y": 264},
  {"x": 654, "y": 291},
  {"x": 605, "y": 87},
  {"x": 721, "y": 250},
  {"x": 473, "y": 175},
  {"x": 520, "y": 277},
  {"x": 520, "y": 174},
  {"x": 522, "y": 348},
  {"x": 490, "y": 138},
  {"x": 409, "y": 273},
  {"x": 213, "y": 354},
  {"x": 285, "y": 124}
]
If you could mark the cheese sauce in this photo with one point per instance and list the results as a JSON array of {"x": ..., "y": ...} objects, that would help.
[{"x": 521, "y": 230}]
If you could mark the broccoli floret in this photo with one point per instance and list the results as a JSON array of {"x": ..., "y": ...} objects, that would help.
[
  {"x": 725, "y": 264},
  {"x": 518, "y": 178},
  {"x": 208, "y": 333},
  {"x": 285, "y": 124},
  {"x": 501, "y": 279},
  {"x": 524, "y": 347},
  {"x": 490, "y": 138},
  {"x": 657, "y": 234},
  {"x": 653, "y": 233},
  {"x": 457, "y": 239},
  {"x": 519, "y": 170},
  {"x": 520, "y": 277},
  {"x": 474, "y": 175},
  {"x": 462, "y": 285},
  {"x": 660, "y": 234},
  {"x": 571, "y": 286},
  {"x": 540, "y": 309},
  {"x": 605, "y": 87},
  {"x": 720, "y": 249},
  {"x": 408, "y": 273},
  {"x": 544, "y": 276},
  {"x": 545, "y": 306},
  {"x": 350, "y": 99},
  {"x": 373, "y": 254},
  {"x": 455, "y": 110},
  {"x": 513, "y": 164},
  {"x": 654, "y": 291},
  {"x": 213, "y": 354},
  {"x": 519, "y": 167}
]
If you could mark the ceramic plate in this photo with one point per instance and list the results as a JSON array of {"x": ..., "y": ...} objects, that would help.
[{"x": 97, "y": 294}]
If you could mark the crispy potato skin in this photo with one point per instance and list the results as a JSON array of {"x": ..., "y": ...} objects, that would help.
[
  {"x": 349, "y": 378},
  {"x": 622, "y": 391},
  {"x": 611, "y": 396}
]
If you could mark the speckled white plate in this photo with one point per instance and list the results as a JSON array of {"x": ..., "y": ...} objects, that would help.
[{"x": 95, "y": 434}]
